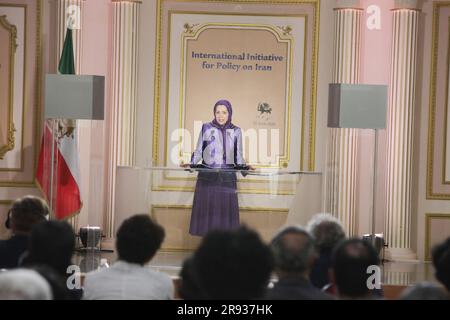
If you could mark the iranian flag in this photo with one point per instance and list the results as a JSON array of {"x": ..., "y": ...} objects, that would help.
[{"x": 64, "y": 197}]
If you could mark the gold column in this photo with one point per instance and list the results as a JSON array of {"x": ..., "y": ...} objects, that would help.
[
  {"x": 400, "y": 128},
  {"x": 340, "y": 181},
  {"x": 124, "y": 94}
]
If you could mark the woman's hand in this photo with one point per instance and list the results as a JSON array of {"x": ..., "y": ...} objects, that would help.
[
  {"x": 252, "y": 168},
  {"x": 185, "y": 165}
]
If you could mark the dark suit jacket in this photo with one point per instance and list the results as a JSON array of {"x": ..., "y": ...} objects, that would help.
[
  {"x": 319, "y": 273},
  {"x": 11, "y": 250},
  {"x": 296, "y": 289}
]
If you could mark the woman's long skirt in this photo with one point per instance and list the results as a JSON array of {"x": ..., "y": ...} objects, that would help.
[{"x": 215, "y": 203}]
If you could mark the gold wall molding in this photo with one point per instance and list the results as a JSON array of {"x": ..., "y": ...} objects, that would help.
[
  {"x": 21, "y": 169},
  {"x": 35, "y": 104},
  {"x": 313, "y": 46},
  {"x": 433, "y": 140},
  {"x": 194, "y": 241},
  {"x": 180, "y": 206},
  {"x": 428, "y": 219},
  {"x": 10, "y": 140},
  {"x": 193, "y": 31},
  {"x": 282, "y": 34},
  {"x": 446, "y": 122}
]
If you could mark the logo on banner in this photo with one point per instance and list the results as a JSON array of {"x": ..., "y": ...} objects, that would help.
[
  {"x": 264, "y": 116},
  {"x": 264, "y": 107}
]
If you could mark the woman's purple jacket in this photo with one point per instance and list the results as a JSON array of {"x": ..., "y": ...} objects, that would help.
[{"x": 210, "y": 147}]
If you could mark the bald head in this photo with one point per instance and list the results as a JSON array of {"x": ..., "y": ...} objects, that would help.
[
  {"x": 350, "y": 262},
  {"x": 293, "y": 249}
]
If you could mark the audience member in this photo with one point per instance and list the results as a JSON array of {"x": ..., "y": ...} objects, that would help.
[
  {"x": 327, "y": 232},
  {"x": 425, "y": 291},
  {"x": 23, "y": 284},
  {"x": 294, "y": 253},
  {"x": 137, "y": 241},
  {"x": 233, "y": 265},
  {"x": 350, "y": 262},
  {"x": 24, "y": 214},
  {"x": 52, "y": 244}
]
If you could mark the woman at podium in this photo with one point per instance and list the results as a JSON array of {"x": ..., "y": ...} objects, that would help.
[{"x": 219, "y": 149}]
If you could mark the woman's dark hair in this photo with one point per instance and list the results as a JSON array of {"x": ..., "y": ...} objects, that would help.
[
  {"x": 189, "y": 288},
  {"x": 350, "y": 261},
  {"x": 138, "y": 239},
  {"x": 233, "y": 265},
  {"x": 52, "y": 244}
]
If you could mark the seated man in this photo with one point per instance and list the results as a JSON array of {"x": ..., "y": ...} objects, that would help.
[
  {"x": 231, "y": 265},
  {"x": 24, "y": 214},
  {"x": 327, "y": 232},
  {"x": 137, "y": 241},
  {"x": 350, "y": 272},
  {"x": 294, "y": 252},
  {"x": 425, "y": 291},
  {"x": 23, "y": 284}
]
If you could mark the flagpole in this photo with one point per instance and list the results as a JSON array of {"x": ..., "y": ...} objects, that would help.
[
  {"x": 59, "y": 166},
  {"x": 52, "y": 170}
]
